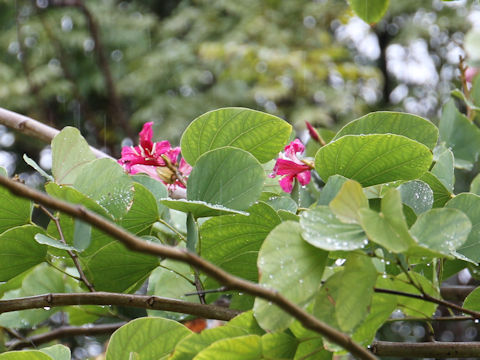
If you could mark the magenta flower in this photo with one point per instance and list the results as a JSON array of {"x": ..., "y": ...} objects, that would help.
[
  {"x": 470, "y": 74},
  {"x": 289, "y": 165},
  {"x": 158, "y": 160}
]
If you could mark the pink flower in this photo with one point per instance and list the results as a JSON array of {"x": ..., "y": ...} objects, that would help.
[
  {"x": 313, "y": 133},
  {"x": 470, "y": 74},
  {"x": 158, "y": 160},
  {"x": 289, "y": 165}
]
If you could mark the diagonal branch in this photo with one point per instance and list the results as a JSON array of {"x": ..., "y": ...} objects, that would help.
[
  {"x": 231, "y": 282},
  {"x": 34, "y": 128},
  {"x": 128, "y": 300},
  {"x": 63, "y": 332}
]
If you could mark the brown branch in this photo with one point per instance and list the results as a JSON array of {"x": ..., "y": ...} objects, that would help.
[
  {"x": 426, "y": 297},
  {"x": 427, "y": 350},
  {"x": 231, "y": 282},
  {"x": 116, "y": 109},
  {"x": 72, "y": 255},
  {"x": 63, "y": 332},
  {"x": 34, "y": 128},
  {"x": 129, "y": 300}
]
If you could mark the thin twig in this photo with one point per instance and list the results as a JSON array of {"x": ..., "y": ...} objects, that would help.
[
  {"x": 210, "y": 291},
  {"x": 63, "y": 332},
  {"x": 74, "y": 256},
  {"x": 178, "y": 233},
  {"x": 134, "y": 243},
  {"x": 426, "y": 350}
]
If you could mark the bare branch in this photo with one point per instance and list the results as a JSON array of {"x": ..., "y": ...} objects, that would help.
[
  {"x": 426, "y": 350},
  {"x": 63, "y": 332},
  {"x": 34, "y": 128},
  {"x": 129, "y": 300},
  {"x": 231, "y": 282}
]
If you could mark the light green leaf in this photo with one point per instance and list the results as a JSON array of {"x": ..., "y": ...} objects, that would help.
[
  {"x": 280, "y": 268},
  {"x": 472, "y": 301},
  {"x": 388, "y": 228},
  {"x": 469, "y": 204},
  {"x": 232, "y": 242},
  {"x": 158, "y": 190},
  {"x": 105, "y": 181},
  {"x": 349, "y": 200},
  {"x": 82, "y": 235},
  {"x": 47, "y": 240},
  {"x": 70, "y": 154},
  {"x": 226, "y": 176},
  {"x": 475, "y": 185},
  {"x": 389, "y": 122},
  {"x": 331, "y": 189},
  {"x": 150, "y": 338},
  {"x": 19, "y": 251},
  {"x": 279, "y": 202},
  {"x": 238, "y": 348},
  {"x": 14, "y": 211},
  {"x": 370, "y": 11},
  {"x": 410, "y": 306},
  {"x": 417, "y": 195},
  {"x": 322, "y": 229},
  {"x": 263, "y": 135},
  {"x": 355, "y": 294},
  {"x": 25, "y": 355},
  {"x": 440, "y": 193},
  {"x": 172, "y": 280},
  {"x": 278, "y": 346},
  {"x": 373, "y": 159},
  {"x": 143, "y": 212},
  {"x": 472, "y": 45},
  {"x": 440, "y": 231},
  {"x": 199, "y": 208},
  {"x": 57, "y": 352},
  {"x": 460, "y": 135},
  {"x": 326, "y": 298},
  {"x": 444, "y": 169},
  {"x": 37, "y": 167},
  {"x": 3, "y": 171},
  {"x": 310, "y": 344}
]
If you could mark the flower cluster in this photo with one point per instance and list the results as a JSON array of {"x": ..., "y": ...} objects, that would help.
[
  {"x": 292, "y": 167},
  {"x": 156, "y": 159}
]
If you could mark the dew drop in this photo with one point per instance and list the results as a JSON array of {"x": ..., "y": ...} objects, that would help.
[{"x": 46, "y": 308}]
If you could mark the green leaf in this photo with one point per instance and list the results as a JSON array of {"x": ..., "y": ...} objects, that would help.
[
  {"x": 417, "y": 195},
  {"x": 472, "y": 45},
  {"x": 310, "y": 344},
  {"x": 73, "y": 196},
  {"x": 263, "y": 135},
  {"x": 280, "y": 268},
  {"x": 150, "y": 338},
  {"x": 37, "y": 167},
  {"x": 279, "y": 202},
  {"x": 278, "y": 346},
  {"x": 349, "y": 200},
  {"x": 25, "y": 355},
  {"x": 388, "y": 122},
  {"x": 19, "y": 251},
  {"x": 70, "y": 154},
  {"x": 460, "y": 135},
  {"x": 331, "y": 189},
  {"x": 410, "y": 306},
  {"x": 381, "y": 308},
  {"x": 233, "y": 241},
  {"x": 172, "y": 280},
  {"x": 440, "y": 193},
  {"x": 370, "y": 11},
  {"x": 355, "y": 294},
  {"x": 388, "y": 228},
  {"x": 440, "y": 231},
  {"x": 226, "y": 176},
  {"x": 469, "y": 204},
  {"x": 14, "y": 211},
  {"x": 238, "y": 348},
  {"x": 143, "y": 212},
  {"x": 325, "y": 300},
  {"x": 322, "y": 229},
  {"x": 444, "y": 169},
  {"x": 158, "y": 190},
  {"x": 475, "y": 185},
  {"x": 373, "y": 159},
  {"x": 199, "y": 208},
  {"x": 192, "y": 233},
  {"x": 57, "y": 352},
  {"x": 105, "y": 181},
  {"x": 472, "y": 301},
  {"x": 188, "y": 347},
  {"x": 3, "y": 171},
  {"x": 82, "y": 235},
  {"x": 47, "y": 240}
]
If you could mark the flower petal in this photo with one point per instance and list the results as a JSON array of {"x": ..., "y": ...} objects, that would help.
[
  {"x": 304, "y": 177},
  {"x": 145, "y": 169},
  {"x": 288, "y": 167},
  {"x": 286, "y": 183}
]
